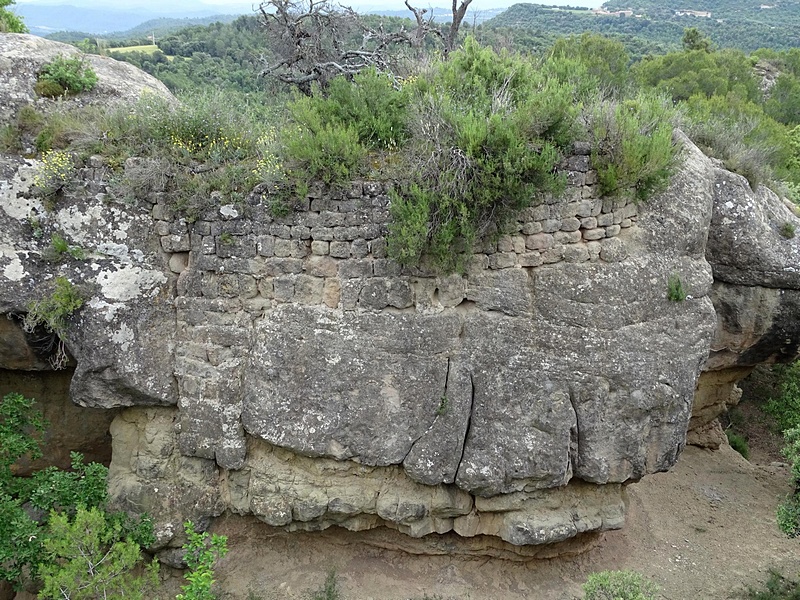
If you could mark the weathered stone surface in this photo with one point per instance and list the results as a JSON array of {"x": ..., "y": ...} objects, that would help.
[
  {"x": 22, "y": 56},
  {"x": 319, "y": 383}
]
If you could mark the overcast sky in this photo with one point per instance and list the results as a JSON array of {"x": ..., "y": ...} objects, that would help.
[{"x": 239, "y": 7}]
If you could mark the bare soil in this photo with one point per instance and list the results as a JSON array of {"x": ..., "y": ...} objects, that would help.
[{"x": 704, "y": 530}]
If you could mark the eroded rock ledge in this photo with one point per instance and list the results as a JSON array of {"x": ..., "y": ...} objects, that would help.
[{"x": 287, "y": 369}]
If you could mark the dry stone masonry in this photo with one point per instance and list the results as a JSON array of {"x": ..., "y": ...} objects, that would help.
[{"x": 288, "y": 369}]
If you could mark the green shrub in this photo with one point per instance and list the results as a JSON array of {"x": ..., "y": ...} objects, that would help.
[
  {"x": 785, "y": 408},
  {"x": 789, "y": 511},
  {"x": 53, "y": 313},
  {"x": 486, "y": 133},
  {"x": 787, "y": 230},
  {"x": 619, "y": 585},
  {"x": 48, "y": 88},
  {"x": 91, "y": 557},
  {"x": 60, "y": 246},
  {"x": 739, "y": 133},
  {"x": 632, "y": 145},
  {"x": 21, "y": 536},
  {"x": 738, "y": 442},
  {"x": 70, "y": 74},
  {"x": 675, "y": 291},
  {"x": 54, "y": 173},
  {"x": 202, "y": 551}
]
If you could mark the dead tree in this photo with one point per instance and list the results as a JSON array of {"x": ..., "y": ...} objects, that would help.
[{"x": 316, "y": 40}]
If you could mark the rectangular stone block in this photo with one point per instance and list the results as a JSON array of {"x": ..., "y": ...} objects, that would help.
[
  {"x": 319, "y": 248},
  {"x": 322, "y": 233},
  {"x": 353, "y": 269},
  {"x": 321, "y": 266},
  {"x": 265, "y": 244},
  {"x": 539, "y": 241},
  {"x": 339, "y": 249},
  {"x": 529, "y": 259}
]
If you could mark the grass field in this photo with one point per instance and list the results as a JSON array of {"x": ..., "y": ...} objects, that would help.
[{"x": 149, "y": 49}]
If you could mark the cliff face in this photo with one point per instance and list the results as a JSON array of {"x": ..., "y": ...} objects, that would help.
[{"x": 286, "y": 368}]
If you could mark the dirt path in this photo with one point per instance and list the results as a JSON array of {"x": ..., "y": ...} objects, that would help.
[{"x": 704, "y": 530}]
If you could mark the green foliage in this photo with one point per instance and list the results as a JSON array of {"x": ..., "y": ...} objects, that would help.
[
  {"x": 675, "y": 291},
  {"x": 739, "y": 133},
  {"x": 91, "y": 557},
  {"x": 789, "y": 511},
  {"x": 71, "y": 75},
  {"x": 202, "y": 551},
  {"x": 53, "y": 311},
  {"x": 787, "y": 230},
  {"x": 54, "y": 173},
  {"x": 60, "y": 247},
  {"x": 329, "y": 590},
  {"x": 619, "y": 585},
  {"x": 606, "y": 60},
  {"x": 738, "y": 442},
  {"x": 632, "y": 146},
  {"x": 21, "y": 536},
  {"x": 21, "y": 429},
  {"x": 486, "y": 133},
  {"x": 9, "y": 22},
  {"x": 694, "y": 40},
  {"x": 776, "y": 587},
  {"x": 48, "y": 88},
  {"x": 686, "y": 74},
  {"x": 785, "y": 408}
]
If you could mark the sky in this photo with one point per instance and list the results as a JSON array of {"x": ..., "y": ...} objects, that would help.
[{"x": 240, "y": 7}]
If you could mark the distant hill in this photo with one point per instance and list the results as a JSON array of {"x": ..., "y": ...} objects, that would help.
[
  {"x": 44, "y": 19},
  {"x": 440, "y": 14},
  {"x": 162, "y": 27},
  {"x": 732, "y": 24}
]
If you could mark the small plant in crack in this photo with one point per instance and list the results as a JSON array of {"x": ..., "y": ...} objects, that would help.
[
  {"x": 675, "y": 291},
  {"x": 51, "y": 313},
  {"x": 443, "y": 405}
]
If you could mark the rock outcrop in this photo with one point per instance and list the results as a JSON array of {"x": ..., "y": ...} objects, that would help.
[{"x": 286, "y": 368}]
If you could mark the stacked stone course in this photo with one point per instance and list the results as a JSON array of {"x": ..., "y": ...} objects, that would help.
[{"x": 331, "y": 249}]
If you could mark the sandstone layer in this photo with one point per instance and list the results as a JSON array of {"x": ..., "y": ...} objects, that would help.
[{"x": 287, "y": 369}]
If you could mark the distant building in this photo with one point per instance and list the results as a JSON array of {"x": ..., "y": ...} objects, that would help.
[
  {"x": 617, "y": 13},
  {"x": 693, "y": 13}
]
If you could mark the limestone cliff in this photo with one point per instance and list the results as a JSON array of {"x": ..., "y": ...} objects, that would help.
[{"x": 286, "y": 368}]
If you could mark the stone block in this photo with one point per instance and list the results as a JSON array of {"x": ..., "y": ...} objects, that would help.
[
  {"x": 588, "y": 222},
  {"x": 567, "y": 237},
  {"x": 553, "y": 255},
  {"x": 354, "y": 269},
  {"x": 319, "y": 248},
  {"x": 529, "y": 259},
  {"x": 377, "y": 247},
  {"x": 504, "y": 244},
  {"x": 322, "y": 233},
  {"x": 300, "y": 248},
  {"x": 502, "y": 260},
  {"x": 308, "y": 290},
  {"x": 331, "y": 293},
  {"x": 280, "y": 231},
  {"x": 570, "y": 224},
  {"x": 301, "y": 232},
  {"x": 283, "y": 288},
  {"x": 551, "y": 225},
  {"x": 605, "y": 219},
  {"x": 384, "y": 267},
  {"x": 613, "y": 250},
  {"x": 625, "y": 223},
  {"x": 340, "y": 249},
  {"x": 359, "y": 248},
  {"x": 331, "y": 219},
  {"x": 282, "y": 266},
  {"x": 321, "y": 266},
  {"x": 612, "y": 230},
  {"x": 265, "y": 245},
  {"x": 265, "y": 287},
  {"x": 594, "y": 234},
  {"x": 531, "y": 228},
  {"x": 575, "y": 253},
  {"x": 539, "y": 241},
  {"x": 283, "y": 248}
]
